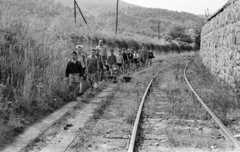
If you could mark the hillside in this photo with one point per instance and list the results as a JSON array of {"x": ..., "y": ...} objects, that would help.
[
  {"x": 97, "y": 7},
  {"x": 144, "y": 21},
  {"x": 134, "y": 20}
]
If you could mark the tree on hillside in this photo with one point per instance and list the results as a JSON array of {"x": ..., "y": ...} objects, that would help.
[
  {"x": 178, "y": 32},
  {"x": 186, "y": 38},
  {"x": 197, "y": 39}
]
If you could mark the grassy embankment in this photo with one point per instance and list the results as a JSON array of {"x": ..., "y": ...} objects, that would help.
[{"x": 186, "y": 111}]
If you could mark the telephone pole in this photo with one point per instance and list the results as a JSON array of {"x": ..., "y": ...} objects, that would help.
[
  {"x": 117, "y": 17},
  {"x": 75, "y": 13},
  {"x": 76, "y": 6},
  {"x": 158, "y": 30}
]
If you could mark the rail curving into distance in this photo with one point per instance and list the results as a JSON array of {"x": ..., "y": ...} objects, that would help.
[
  {"x": 136, "y": 123},
  {"x": 220, "y": 124}
]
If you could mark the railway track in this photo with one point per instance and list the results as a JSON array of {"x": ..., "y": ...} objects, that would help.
[
  {"x": 111, "y": 132},
  {"x": 137, "y": 121},
  {"x": 60, "y": 134},
  {"x": 150, "y": 131}
]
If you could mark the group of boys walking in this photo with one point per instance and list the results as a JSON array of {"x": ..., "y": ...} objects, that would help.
[{"x": 81, "y": 68}]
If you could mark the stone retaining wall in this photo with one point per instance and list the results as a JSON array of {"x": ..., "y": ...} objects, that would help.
[{"x": 220, "y": 42}]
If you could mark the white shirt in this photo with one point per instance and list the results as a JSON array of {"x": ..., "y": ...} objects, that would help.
[
  {"x": 119, "y": 58},
  {"x": 74, "y": 61},
  {"x": 103, "y": 50},
  {"x": 80, "y": 58},
  {"x": 135, "y": 55}
]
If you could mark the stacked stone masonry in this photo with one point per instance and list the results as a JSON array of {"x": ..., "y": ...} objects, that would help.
[{"x": 220, "y": 43}]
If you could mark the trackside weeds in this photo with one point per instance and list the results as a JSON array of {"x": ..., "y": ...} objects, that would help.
[
  {"x": 173, "y": 115},
  {"x": 181, "y": 120},
  {"x": 118, "y": 117},
  {"x": 113, "y": 129},
  {"x": 171, "y": 111}
]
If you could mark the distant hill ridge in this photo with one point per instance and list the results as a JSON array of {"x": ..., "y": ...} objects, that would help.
[
  {"x": 97, "y": 6},
  {"x": 135, "y": 20}
]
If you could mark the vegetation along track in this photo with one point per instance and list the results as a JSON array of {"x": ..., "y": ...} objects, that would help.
[
  {"x": 39, "y": 135},
  {"x": 173, "y": 120},
  {"x": 223, "y": 128},
  {"x": 136, "y": 124},
  {"x": 72, "y": 121}
]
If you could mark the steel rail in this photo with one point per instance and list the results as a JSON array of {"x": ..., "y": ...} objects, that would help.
[
  {"x": 64, "y": 115},
  {"x": 90, "y": 119},
  {"x": 135, "y": 128},
  {"x": 97, "y": 110},
  {"x": 220, "y": 124}
]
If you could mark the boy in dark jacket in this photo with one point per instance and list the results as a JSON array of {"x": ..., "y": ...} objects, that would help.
[
  {"x": 150, "y": 56},
  {"x": 73, "y": 74}
]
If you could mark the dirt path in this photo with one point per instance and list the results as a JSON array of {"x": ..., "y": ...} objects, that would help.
[{"x": 63, "y": 125}]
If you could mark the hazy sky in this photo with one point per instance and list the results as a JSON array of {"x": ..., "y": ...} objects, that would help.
[{"x": 191, "y": 6}]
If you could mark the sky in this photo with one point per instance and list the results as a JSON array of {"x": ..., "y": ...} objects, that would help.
[{"x": 192, "y": 6}]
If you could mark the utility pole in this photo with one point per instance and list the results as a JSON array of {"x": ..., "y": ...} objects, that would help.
[
  {"x": 117, "y": 17},
  {"x": 158, "y": 30},
  {"x": 75, "y": 14},
  {"x": 76, "y": 6}
]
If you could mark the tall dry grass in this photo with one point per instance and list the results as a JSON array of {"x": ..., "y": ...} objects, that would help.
[{"x": 34, "y": 52}]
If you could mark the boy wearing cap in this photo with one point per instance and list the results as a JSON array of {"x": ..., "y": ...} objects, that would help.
[
  {"x": 82, "y": 59},
  {"x": 73, "y": 74}
]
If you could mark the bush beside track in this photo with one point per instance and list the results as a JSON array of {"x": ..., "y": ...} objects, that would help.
[{"x": 118, "y": 42}]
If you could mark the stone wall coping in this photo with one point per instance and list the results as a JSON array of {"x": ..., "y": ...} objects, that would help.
[{"x": 219, "y": 11}]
